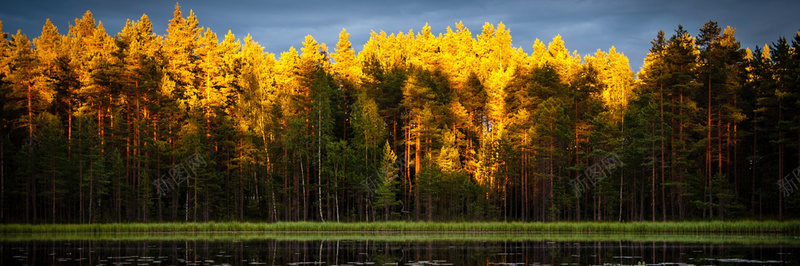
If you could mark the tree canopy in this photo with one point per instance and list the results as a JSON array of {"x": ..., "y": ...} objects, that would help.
[{"x": 196, "y": 126}]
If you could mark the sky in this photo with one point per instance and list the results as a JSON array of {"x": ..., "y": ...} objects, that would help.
[{"x": 584, "y": 25}]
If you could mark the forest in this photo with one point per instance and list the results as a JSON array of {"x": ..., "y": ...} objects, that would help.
[{"x": 416, "y": 126}]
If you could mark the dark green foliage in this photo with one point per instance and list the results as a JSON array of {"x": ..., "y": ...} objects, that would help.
[{"x": 185, "y": 128}]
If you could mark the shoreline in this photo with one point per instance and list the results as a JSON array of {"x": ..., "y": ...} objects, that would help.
[{"x": 717, "y": 227}]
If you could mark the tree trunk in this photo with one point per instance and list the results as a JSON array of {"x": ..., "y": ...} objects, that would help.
[
  {"x": 91, "y": 193},
  {"x": 781, "y": 149},
  {"x": 719, "y": 141},
  {"x": 708, "y": 148},
  {"x": 552, "y": 166},
  {"x": 80, "y": 173},
  {"x": 31, "y": 182},
  {"x": 53, "y": 183},
  {"x": 304, "y": 191},
  {"x": 408, "y": 161},
  {"x": 663, "y": 164},
  {"x": 653, "y": 177},
  {"x": 417, "y": 167},
  {"x": 319, "y": 162}
]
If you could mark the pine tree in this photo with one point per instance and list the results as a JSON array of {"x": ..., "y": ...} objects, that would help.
[
  {"x": 722, "y": 57},
  {"x": 6, "y": 118},
  {"x": 30, "y": 91},
  {"x": 385, "y": 194}
]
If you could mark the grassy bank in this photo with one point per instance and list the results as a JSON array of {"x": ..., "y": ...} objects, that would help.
[
  {"x": 739, "y": 227},
  {"x": 459, "y": 237}
]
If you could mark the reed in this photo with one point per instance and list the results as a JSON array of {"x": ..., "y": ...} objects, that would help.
[
  {"x": 456, "y": 237},
  {"x": 738, "y": 227}
]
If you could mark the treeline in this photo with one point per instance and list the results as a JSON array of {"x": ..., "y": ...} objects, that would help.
[{"x": 416, "y": 126}]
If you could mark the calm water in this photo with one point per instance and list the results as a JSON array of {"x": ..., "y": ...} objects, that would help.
[{"x": 395, "y": 252}]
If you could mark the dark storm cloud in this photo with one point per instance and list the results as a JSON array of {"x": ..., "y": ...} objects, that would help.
[{"x": 585, "y": 25}]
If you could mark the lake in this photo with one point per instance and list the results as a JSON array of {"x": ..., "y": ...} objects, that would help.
[{"x": 397, "y": 249}]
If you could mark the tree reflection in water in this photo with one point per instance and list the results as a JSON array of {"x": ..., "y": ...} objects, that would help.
[{"x": 381, "y": 252}]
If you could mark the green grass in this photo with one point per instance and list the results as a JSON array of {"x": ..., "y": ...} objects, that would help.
[
  {"x": 737, "y": 227},
  {"x": 460, "y": 237}
]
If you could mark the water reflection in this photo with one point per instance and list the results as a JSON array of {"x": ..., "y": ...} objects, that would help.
[{"x": 381, "y": 252}]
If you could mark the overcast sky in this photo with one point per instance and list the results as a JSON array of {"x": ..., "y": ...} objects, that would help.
[{"x": 585, "y": 26}]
